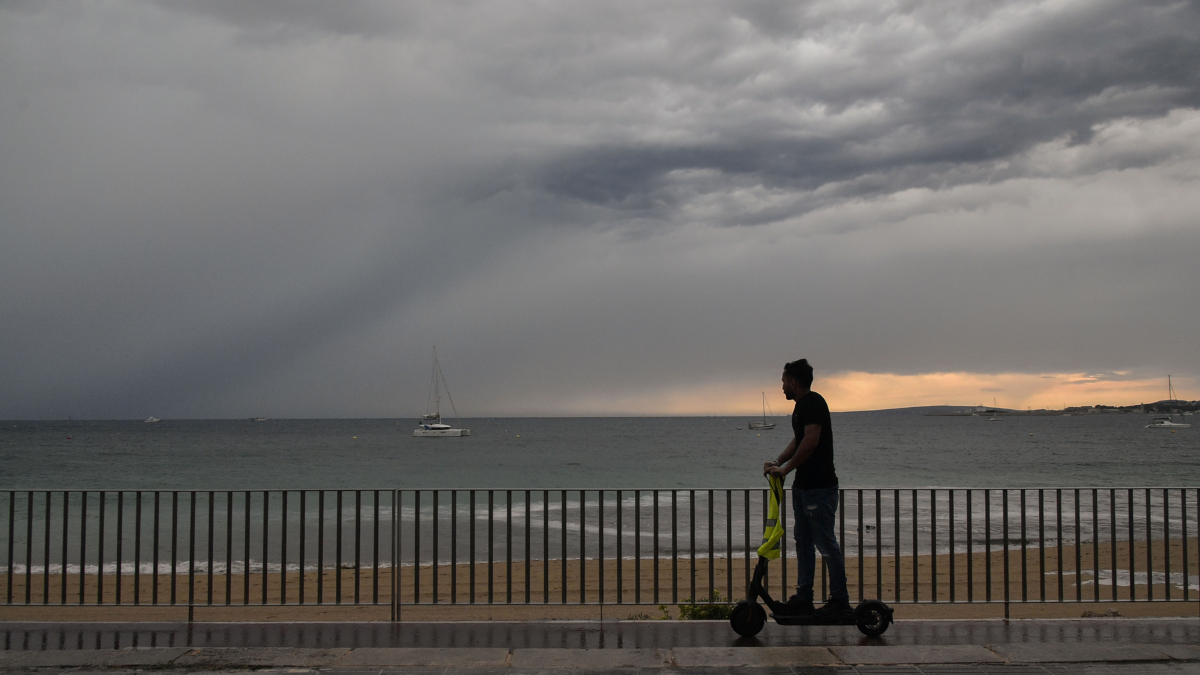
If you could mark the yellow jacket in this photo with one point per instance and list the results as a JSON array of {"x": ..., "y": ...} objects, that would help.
[{"x": 773, "y": 534}]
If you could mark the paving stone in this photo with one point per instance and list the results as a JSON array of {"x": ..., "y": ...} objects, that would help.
[
  {"x": 764, "y": 670},
  {"x": 90, "y": 657},
  {"x": 556, "y": 659},
  {"x": 95, "y": 671},
  {"x": 916, "y": 654},
  {"x": 149, "y": 656},
  {"x": 1180, "y": 652},
  {"x": 458, "y": 657},
  {"x": 687, "y": 657},
  {"x": 629, "y": 670},
  {"x": 1086, "y": 652},
  {"x": 50, "y": 659},
  {"x": 259, "y": 657},
  {"x": 9, "y": 658},
  {"x": 1011, "y": 669}
]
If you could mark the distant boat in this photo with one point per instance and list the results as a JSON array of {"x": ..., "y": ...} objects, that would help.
[
  {"x": 995, "y": 418},
  {"x": 431, "y": 422},
  {"x": 764, "y": 424},
  {"x": 152, "y": 419},
  {"x": 1167, "y": 422},
  {"x": 258, "y": 419}
]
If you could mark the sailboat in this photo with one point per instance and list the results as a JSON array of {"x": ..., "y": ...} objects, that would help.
[
  {"x": 764, "y": 424},
  {"x": 431, "y": 422},
  {"x": 1167, "y": 422}
]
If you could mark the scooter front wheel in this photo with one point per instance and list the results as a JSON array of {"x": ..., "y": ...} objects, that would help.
[
  {"x": 873, "y": 618},
  {"x": 748, "y": 618}
]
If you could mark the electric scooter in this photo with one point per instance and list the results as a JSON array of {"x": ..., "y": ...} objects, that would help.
[{"x": 748, "y": 617}]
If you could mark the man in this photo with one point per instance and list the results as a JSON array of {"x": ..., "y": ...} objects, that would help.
[{"x": 814, "y": 493}]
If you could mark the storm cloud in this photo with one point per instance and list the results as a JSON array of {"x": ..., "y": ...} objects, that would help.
[{"x": 217, "y": 209}]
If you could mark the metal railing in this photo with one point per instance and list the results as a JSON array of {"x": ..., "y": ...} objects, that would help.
[{"x": 636, "y": 547}]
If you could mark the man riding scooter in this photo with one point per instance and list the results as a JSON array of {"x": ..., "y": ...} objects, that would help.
[{"x": 814, "y": 495}]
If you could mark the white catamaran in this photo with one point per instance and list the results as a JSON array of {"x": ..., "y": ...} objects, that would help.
[
  {"x": 764, "y": 424},
  {"x": 1167, "y": 422},
  {"x": 431, "y": 422}
]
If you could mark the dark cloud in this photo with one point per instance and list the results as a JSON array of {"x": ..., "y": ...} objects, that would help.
[
  {"x": 287, "y": 20},
  {"x": 955, "y": 115},
  {"x": 211, "y": 207}
]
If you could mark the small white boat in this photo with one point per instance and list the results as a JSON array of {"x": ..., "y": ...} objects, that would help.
[
  {"x": 764, "y": 424},
  {"x": 258, "y": 419},
  {"x": 1167, "y": 422},
  {"x": 994, "y": 418},
  {"x": 431, "y": 423},
  {"x": 439, "y": 430},
  {"x": 152, "y": 419}
]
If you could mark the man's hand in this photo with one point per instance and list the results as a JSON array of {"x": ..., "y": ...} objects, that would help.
[
  {"x": 775, "y": 471},
  {"x": 768, "y": 465}
]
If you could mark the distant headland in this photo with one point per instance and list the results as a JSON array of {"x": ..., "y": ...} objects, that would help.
[{"x": 1164, "y": 407}]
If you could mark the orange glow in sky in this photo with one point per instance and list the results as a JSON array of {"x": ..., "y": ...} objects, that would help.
[
  {"x": 872, "y": 391},
  {"x": 846, "y": 391}
]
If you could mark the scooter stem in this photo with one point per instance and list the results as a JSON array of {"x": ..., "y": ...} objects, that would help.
[{"x": 757, "y": 591}]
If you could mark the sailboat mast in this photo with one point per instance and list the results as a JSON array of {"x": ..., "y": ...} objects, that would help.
[
  {"x": 1171, "y": 396},
  {"x": 437, "y": 390}
]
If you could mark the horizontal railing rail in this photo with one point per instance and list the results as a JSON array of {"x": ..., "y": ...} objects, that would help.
[{"x": 399, "y": 547}]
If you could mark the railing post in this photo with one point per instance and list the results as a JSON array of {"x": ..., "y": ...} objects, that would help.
[
  {"x": 12, "y": 514},
  {"x": 950, "y": 517},
  {"x": 1004, "y": 523},
  {"x": 395, "y": 556}
]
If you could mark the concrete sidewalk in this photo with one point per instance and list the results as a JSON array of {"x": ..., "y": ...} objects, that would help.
[
  {"x": 1005, "y": 658},
  {"x": 37, "y": 636}
]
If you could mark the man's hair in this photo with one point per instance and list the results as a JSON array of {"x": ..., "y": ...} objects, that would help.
[{"x": 799, "y": 371}]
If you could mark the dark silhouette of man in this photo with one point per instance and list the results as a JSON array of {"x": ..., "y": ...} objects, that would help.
[{"x": 814, "y": 493}]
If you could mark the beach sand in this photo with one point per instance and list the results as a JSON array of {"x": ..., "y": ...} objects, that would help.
[{"x": 1033, "y": 577}]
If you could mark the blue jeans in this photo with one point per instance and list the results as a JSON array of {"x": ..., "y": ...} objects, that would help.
[{"x": 814, "y": 513}]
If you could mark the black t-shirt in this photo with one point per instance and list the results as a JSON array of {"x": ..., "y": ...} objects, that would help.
[{"x": 816, "y": 471}]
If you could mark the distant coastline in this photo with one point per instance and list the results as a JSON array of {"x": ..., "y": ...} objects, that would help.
[{"x": 1165, "y": 407}]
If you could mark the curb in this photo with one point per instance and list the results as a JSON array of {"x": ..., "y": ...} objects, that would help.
[{"x": 210, "y": 658}]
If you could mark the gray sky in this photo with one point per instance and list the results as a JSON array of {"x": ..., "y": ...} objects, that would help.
[{"x": 220, "y": 209}]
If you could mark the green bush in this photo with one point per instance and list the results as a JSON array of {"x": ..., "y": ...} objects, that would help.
[{"x": 715, "y": 607}]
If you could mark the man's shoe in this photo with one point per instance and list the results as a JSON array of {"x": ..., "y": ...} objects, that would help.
[
  {"x": 835, "y": 609},
  {"x": 799, "y": 605}
]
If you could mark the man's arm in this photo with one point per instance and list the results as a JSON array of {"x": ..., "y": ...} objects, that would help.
[
  {"x": 787, "y": 454},
  {"x": 798, "y": 452}
]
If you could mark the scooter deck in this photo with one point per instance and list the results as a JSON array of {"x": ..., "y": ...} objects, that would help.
[{"x": 810, "y": 620}]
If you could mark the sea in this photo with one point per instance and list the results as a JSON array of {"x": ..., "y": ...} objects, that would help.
[
  {"x": 902, "y": 448},
  {"x": 565, "y": 463}
]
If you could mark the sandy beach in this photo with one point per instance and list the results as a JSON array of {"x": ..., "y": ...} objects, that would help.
[{"x": 537, "y": 591}]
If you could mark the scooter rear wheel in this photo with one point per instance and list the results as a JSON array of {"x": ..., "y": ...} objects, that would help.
[
  {"x": 872, "y": 618},
  {"x": 748, "y": 618}
]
